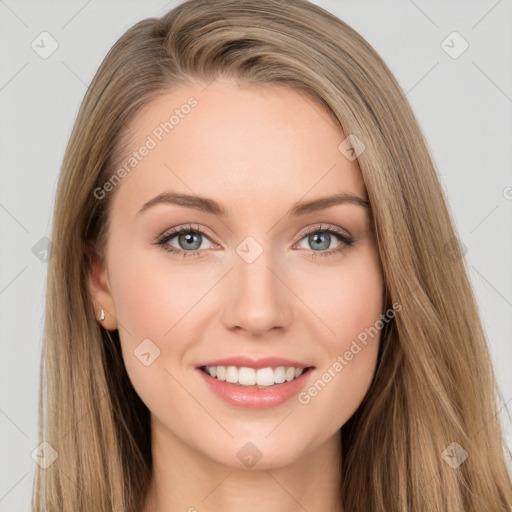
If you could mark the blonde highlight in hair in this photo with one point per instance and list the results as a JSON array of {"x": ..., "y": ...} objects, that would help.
[{"x": 434, "y": 383}]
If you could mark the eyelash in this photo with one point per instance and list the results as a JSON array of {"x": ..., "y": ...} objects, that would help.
[{"x": 162, "y": 241}]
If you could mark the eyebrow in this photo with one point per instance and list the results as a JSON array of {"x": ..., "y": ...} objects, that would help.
[{"x": 211, "y": 206}]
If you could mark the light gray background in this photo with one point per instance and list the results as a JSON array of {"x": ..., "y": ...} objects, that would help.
[{"x": 464, "y": 106}]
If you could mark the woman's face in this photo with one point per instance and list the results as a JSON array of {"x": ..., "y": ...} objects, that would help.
[{"x": 254, "y": 276}]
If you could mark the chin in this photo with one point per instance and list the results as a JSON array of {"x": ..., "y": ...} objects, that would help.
[{"x": 260, "y": 452}]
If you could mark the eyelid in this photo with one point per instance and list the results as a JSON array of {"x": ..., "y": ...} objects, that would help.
[{"x": 323, "y": 227}]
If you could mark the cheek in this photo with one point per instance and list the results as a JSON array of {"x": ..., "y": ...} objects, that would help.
[
  {"x": 346, "y": 300},
  {"x": 150, "y": 297},
  {"x": 360, "y": 300}
]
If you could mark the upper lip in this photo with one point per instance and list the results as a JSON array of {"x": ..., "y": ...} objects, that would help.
[{"x": 248, "y": 362}]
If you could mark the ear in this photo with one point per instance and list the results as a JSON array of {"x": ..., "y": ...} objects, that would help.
[{"x": 99, "y": 288}]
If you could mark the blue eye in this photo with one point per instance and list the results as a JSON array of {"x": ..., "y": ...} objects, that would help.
[
  {"x": 190, "y": 241},
  {"x": 187, "y": 237},
  {"x": 320, "y": 238}
]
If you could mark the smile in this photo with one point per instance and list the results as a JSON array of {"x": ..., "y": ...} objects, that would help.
[{"x": 251, "y": 388}]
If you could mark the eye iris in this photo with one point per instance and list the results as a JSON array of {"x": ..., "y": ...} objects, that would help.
[
  {"x": 314, "y": 238},
  {"x": 189, "y": 238}
]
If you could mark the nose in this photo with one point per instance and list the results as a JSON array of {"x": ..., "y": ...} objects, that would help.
[{"x": 256, "y": 299}]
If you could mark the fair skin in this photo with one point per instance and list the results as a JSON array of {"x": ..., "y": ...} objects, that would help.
[{"x": 257, "y": 151}]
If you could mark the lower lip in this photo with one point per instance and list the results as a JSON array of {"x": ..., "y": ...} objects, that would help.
[{"x": 256, "y": 398}]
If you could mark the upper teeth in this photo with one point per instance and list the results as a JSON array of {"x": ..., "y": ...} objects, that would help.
[{"x": 250, "y": 376}]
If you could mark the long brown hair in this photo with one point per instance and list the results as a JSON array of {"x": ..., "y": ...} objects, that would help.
[{"x": 434, "y": 385}]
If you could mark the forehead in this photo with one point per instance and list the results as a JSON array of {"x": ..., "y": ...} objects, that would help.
[{"x": 253, "y": 144}]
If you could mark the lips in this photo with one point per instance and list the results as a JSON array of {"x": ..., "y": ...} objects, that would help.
[{"x": 255, "y": 397}]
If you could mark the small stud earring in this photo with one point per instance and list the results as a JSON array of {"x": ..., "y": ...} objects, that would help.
[{"x": 102, "y": 315}]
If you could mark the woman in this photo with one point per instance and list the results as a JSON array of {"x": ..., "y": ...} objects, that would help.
[{"x": 257, "y": 302}]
